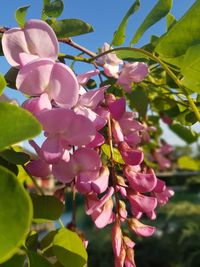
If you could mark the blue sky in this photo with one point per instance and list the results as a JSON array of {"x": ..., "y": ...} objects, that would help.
[{"x": 104, "y": 16}]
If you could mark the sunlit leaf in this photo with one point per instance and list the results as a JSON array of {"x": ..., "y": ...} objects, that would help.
[
  {"x": 69, "y": 249},
  {"x": 16, "y": 125},
  {"x": 41, "y": 206},
  {"x": 70, "y": 27},
  {"x": 15, "y": 204},
  {"x": 119, "y": 35},
  {"x": 160, "y": 10},
  {"x": 185, "y": 33},
  {"x": 116, "y": 154},
  {"x": 188, "y": 163},
  {"x": 20, "y": 15},
  {"x": 2, "y": 83}
]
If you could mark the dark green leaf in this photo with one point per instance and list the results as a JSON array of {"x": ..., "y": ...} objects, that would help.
[
  {"x": 184, "y": 133},
  {"x": 10, "y": 77},
  {"x": 47, "y": 240},
  {"x": 2, "y": 83},
  {"x": 11, "y": 167},
  {"x": 70, "y": 27},
  {"x": 53, "y": 8},
  {"x": 160, "y": 10},
  {"x": 32, "y": 241},
  {"x": 15, "y": 261},
  {"x": 41, "y": 208},
  {"x": 15, "y": 214},
  {"x": 20, "y": 15},
  {"x": 36, "y": 260},
  {"x": 16, "y": 125},
  {"x": 18, "y": 158},
  {"x": 69, "y": 249},
  {"x": 138, "y": 99},
  {"x": 91, "y": 84},
  {"x": 185, "y": 33},
  {"x": 131, "y": 55},
  {"x": 120, "y": 34}
]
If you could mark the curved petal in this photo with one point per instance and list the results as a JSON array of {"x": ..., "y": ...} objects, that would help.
[
  {"x": 49, "y": 120},
  {"x": 81, "y": 131},
  {"x": 84, "y": 78},
  {"x": 14, "y": 43},
  {"x": 141, "y": 229},
  {"x": 33, "y": 78},
  {"x": 97, "y": 141},
  {"x": 63, "y": 86},
  {"x": 64, "y": 171},
  {"x": 101, "y": 183},
  {"x": 38, "y": 168},
  {"x": 52, "y": 150},
  {"x": 117, "y": 108},
  {"x": 41, "y": 39}
]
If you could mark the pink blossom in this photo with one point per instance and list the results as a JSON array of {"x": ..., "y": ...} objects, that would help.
[
  {"x": 130, "y": 156},
  {"x": 141, "y": 229},
  {"x": 110, "y": 62},
  {"x": 45, "y": 76},
  {"x": 132, "y": 72},
  {"x": 35, "y": 40}
]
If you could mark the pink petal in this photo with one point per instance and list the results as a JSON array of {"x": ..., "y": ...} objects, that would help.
[
  {"x": 100, "y": 184},
  {"x": 140, "y": 182},
  {"x": 33, "y": 78},
  {"x": 52, "y": 149},
  {"x": 129, "y": 155},
  {"x": 41, "y": 39},
  {"x": 87, "y": 160},
  {"x": 116, "y": 239},
  {"x": 141, "y": 229},
  {"x": 14, "y": 43},
  {"x": 91, "y": 99},
  {"x": 64, "y": 171},
  {"x": 84, "y": 78},
  {"x": 63, "y": 86},
  {"x": 81, "y": 131},
  {"x": 117, "y": 108},
  {"x": 25, "y": 58},
  {"x": 37, "y": 104},
  {"x": 38, "y": 168},
  {"x": 103, "y": 217},
  {"x": 111, "y": 70},
  {"x": 97, "y": 141},
  {"x": 49, "y": 120}
]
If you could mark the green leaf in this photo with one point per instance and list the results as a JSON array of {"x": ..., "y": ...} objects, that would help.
[
  {"x": 10, "y": 77},
  {"x": 160, "y": 10},
  {"x": 70, "y": 27},
  {"x": 32, "y": 241},
  {"x": 138, "y": 99},
  {"x": 190, "y": 68},
  {"x": 69, "y": 249},
  {"x": 185, "y": 33},
  {"x": 15, "y": 261},
  {"x": 188, "y": 163},
  {"x": 41, "y": 208},
  {"x": 20, "y": 15},
  {"x": 129, "y": 55},
  {"x": 119, "y": 35},
  {"x": 16, "y": 125},
  {"x": 11, "y": 167},
  {"x": 36, "y": 260},
  {"x": 2, "y": 83},
  {"x": 170, "y": 19},
  {"x": 184, "y": 133},
  {"x": 15, "y": 214},
  {"x": 18, "y": 158},
  {"x": 54, "y": 8},
  {"x": 116, "y": 154}
]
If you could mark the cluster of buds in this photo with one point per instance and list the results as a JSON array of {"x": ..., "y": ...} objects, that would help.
[{"x": 74, "y": 122}]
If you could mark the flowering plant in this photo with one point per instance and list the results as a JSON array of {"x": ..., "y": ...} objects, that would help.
[{"x": 100, "y": 143}]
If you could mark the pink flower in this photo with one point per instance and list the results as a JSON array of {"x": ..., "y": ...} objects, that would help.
[
  {"x": 141, "y": 229},
  {"x": 45, "y": 76},
  {"x": 35, "y": 40},
  {"x": 110, "y": 62},
  {"x": 130, "y": 156},
  {"x": 100, "y": 209},
  {"x": 132, "y": 72},
  {"x": 72, "y": 130}
]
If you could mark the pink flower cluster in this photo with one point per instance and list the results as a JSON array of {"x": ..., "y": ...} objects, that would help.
[{"x": 74, "y": 121}]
